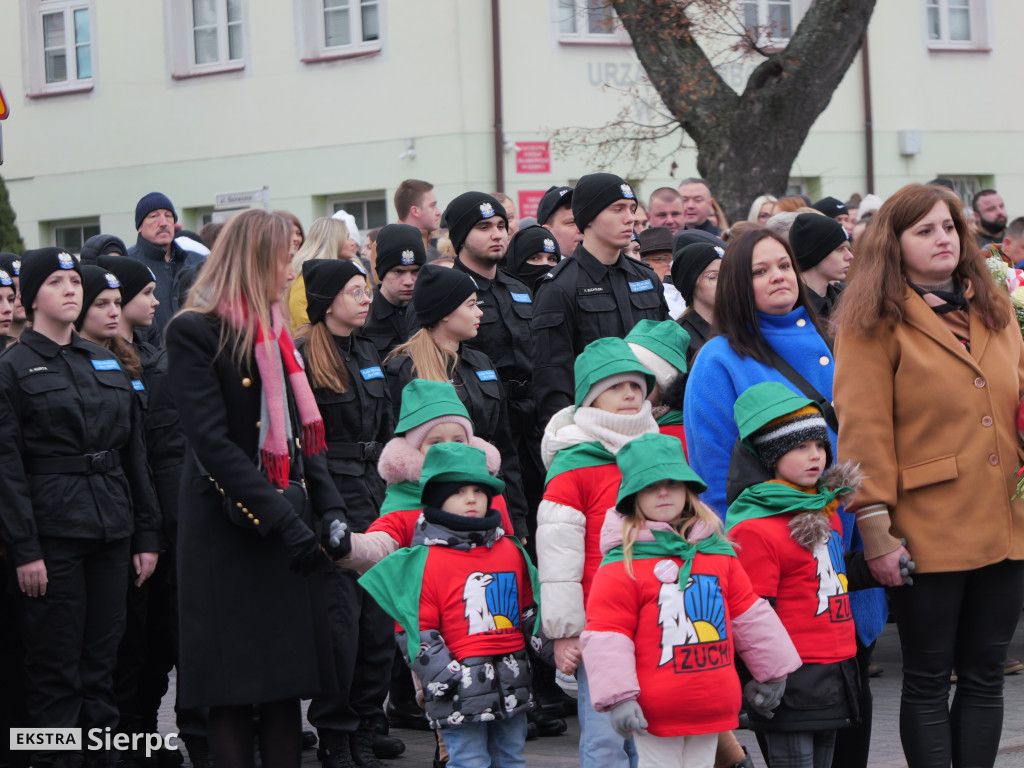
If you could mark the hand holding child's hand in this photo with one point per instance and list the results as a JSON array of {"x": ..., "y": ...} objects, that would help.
[
  {"x": 887, "y": 568},
  {"x": 567, "y": 654},
  {"x": 628, "y": 718},
  {"x": 763, "y": 698}
]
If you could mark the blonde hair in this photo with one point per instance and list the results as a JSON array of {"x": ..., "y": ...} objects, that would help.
[
  {"x": 240, "y": 276},
  {"x": 429, "y": 360},
  {"x": 324, "y": 241},
  {"x": 324, "y": 364},
  {"x": 694, "y": 510}
]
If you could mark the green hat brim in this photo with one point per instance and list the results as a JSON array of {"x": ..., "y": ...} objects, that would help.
[
  {"x": 646, "y": 334},
  {"x": 762, "y": 404},
  {"x": 463, "y": 477},
  {"x": 637, "y": 481},
  {"x": 428, "y": 408}
]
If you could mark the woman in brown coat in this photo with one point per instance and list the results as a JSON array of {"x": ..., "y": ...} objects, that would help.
[{"x": 927, "y": 387}]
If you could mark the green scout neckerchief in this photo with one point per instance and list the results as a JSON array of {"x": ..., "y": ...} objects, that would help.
[
  {"x": 667, "y": 544},
  {"x": 670, "y": 419},
  {"x": 397, "y": 580},
  {"x": 775, "y": 497},
  {"x": 401, "y": 496},
  {"x": 577, "y": 457}
]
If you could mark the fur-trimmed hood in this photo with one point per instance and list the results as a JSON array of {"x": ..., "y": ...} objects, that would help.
[
  {"x": 809, "y": 528},
  {"x": 401, "y": 462},
  {"x": 611, "y": 531}
]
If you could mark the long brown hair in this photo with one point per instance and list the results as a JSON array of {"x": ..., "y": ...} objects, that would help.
[
  {"x": 735, "y": 305},
  {"x": 429, "y": 359},
  {"x": 126, "y": 355},
  {"x": 323, "y": 363},
  {"x": 241, "y": 275},
  {"x": 877, "y": 283}
]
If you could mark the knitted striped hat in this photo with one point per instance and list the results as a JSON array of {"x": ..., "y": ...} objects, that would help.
[{"x": 779, "y": 436}]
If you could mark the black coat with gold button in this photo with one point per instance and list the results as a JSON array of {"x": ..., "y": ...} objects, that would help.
[{"x": 251, "y": 629}]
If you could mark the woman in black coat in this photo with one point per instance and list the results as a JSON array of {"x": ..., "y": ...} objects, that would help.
[
  {"x": 445, "y": 301},
  {"x": 345, "y": 372},
  {"x": 255, "y": 490}
]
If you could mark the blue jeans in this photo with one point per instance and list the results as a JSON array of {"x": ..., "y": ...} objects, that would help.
[
  {"x": 600, "y": 745},
  {"x": 494, "y": 744}
]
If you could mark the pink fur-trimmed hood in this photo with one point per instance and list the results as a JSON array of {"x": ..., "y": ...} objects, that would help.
[
  {"x": 611, "y": 530},
  {"x": 400, "y": 462}
]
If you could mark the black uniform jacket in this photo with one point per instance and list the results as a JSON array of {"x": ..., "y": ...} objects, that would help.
[
  {"x": 386, "y": 325},
  {"x": 71, "y": 401},
  {"x": 251, "y": 629},
  {"x": 480, "y": 390},
  {"x": 358, "y": 423},
  {"x": 577, "y": 302},
  {"x": 699, "y": 330}
]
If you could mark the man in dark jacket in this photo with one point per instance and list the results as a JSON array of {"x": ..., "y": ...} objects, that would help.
[{"x": 154, "y": 219}]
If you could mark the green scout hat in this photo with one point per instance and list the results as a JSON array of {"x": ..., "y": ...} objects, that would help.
[
  {"x": 650, "y": 459},
  {"x": 601, "y": 359},
  {"x": 661, "y": 346},
  {"x": 773, "y": 419},
  {"x": 423, "y": 400},
  {"x": 457, "y": 463}
]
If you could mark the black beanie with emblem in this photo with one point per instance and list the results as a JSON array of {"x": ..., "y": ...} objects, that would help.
[
  {"x": 131, "y": 273},
  {"x": 440, "y": 291},
  {"x": 95, "y": 280},
  {"x": 10, "y": 263},
  {"x": 39, "y": 264},
  {"x": 595, "y": 192},
  {"x": 555, "y": 198},
  {"x": 466, "y": 210},
  {"x": 813, "y": 237},
  {"x": 831, "y": 207},
  {"x": 524, "y": 245},
  {"x": 324, "y": 279},
  {"x": 688, "y": 264},
  {"x": 399, "y": 245}
]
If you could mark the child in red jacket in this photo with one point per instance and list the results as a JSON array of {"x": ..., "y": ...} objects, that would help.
[{"x": 669, "y": 609}]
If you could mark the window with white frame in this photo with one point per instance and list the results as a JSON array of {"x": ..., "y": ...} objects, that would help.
[
  {"x": 71, "y": 235},
  {"x": 956, "y": 24},
  {"x": 772, "y": 22},
  {"x": 206, "y": 36},
  {"x": 370, "y": 211},
  {"x": 57, "y": 37},
  {"x": 340, "y": 28},
  {"x": 588, "y": 21}
]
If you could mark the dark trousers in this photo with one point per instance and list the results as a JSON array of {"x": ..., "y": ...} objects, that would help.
[
  {"x": 797, "y": 749},
  {"x": 12, "y": 667},
  {"x": 362, "y": 639},
  {"x": 964, "y": 621},
  {"x": 72, "y": 632},
  {"x": 853, "y": 743}
]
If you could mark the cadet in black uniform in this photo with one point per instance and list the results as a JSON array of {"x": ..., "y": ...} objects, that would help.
[
  {"x": 352, "y": 394},
  {"x": 446, "y": 308},
  {"x": 532, "y": 253},
  {"x": 695, "y": 269},
  {"x": 598, "y": 292},
  {"x": 79, "y": 506},
  {"x": 254, "y": 634},
  {"x": 400, "y": 254}
]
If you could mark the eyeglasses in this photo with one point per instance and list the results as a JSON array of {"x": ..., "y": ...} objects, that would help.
[
  {"x": 711, "y": 277},
  {"x": 358, "y": 294}
]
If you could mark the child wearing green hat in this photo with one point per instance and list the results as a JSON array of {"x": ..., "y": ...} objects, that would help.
[
  {"x": 789, "y": 540},
  {"x": 464, "y": 596},
  {"x": 660, "y": 345},
  {"x": 579, "y": 448},
  {"x": 669, "y": 608}
]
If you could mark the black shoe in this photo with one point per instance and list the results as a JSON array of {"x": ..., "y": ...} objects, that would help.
[
  {"x": 360, "y": 744},
  {"x": 308, "y": 739},
  {"x": 531, "y": 731},
  {"x": 409, "y": 717},
  {"x": 169, "y": 758},
  {"x": 550, "y": 726},
  {"x": 334, "y": 750},
  {"x": 746, "y": 762},
  {"x": 387, "y": 747}
]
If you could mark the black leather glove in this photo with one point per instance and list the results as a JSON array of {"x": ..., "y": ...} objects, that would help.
[
  {"x": 335, "y": 535},
  {"x": 302, "y": 545}
]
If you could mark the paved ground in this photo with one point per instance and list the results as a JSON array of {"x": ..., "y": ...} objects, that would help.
[{"x": 886, "y": 752}]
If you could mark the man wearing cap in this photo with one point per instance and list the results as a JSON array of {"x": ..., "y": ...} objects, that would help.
[
  {"x": 697, "y": 208},
  {"x": 695, "y": 273},
  {"x": 822, "y": 249},
  {"x": 835, "y": 209},
  {"x": 554, "y": 212},
  {"x": 400, "y": 254},
  {"x": 598, "y": 292},
  {"x": 154, "y": 219},
  {"x": 656, "y": 252}
]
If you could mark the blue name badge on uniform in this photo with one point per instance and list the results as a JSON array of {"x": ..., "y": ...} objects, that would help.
[
  {"x": 488, "y": 375},
  {"x": 521, "y": 298},
  {"x": 641, "y": 285},
  {"x": 138, "y": 385},
  {"x": 371, "y": 373},
  {"x": 106, "y": 365}
]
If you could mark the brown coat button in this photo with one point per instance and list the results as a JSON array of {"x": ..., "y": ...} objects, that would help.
[
  {"x": 986, "y": 421},
  {"x": 979, "y": 382},
  {"x": 993, "y": 459}
]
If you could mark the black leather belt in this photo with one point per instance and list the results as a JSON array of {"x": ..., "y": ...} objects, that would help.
[
  {"x": 91, "y": 463},
  {"x": 361, "y": 451}
]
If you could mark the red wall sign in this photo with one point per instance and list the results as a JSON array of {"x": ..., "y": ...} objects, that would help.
[
  {"x": 533, "y": 157},
  {"x": 528, "y": 202}
]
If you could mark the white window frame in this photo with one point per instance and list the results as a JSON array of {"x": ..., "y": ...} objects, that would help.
[
  {"x": 32, "y": 13},
  {"x": 766, "y": 40},
  {"x": 349, "y": 202},
  {"x": 313, "y": 32},
  {"x": 560, "y": 12},
  {"x": 181, "y": 44},
  {"x": 79, "y": 224},
  {"x": 978, "y": 11}
]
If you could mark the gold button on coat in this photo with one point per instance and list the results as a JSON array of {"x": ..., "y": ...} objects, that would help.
[{"x": 246, "y": 382}]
